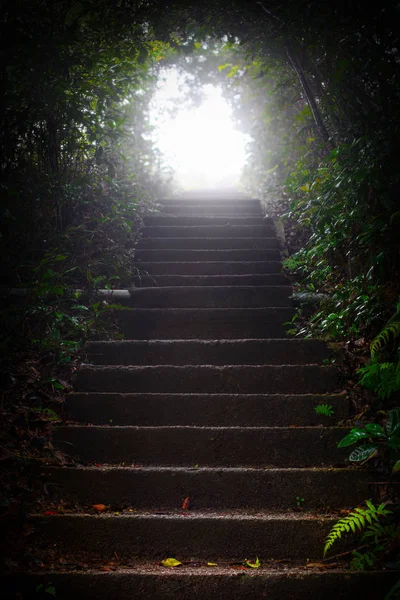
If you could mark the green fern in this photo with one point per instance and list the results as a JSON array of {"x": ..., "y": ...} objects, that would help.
[
  {"x": 356, "y": 521},
  {"x": 381, "y": 377},
  {"x": 324, "y": 409},
  {"x": 391, "y": 331}
]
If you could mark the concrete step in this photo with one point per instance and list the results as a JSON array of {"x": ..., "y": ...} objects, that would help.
[
  {"x": 154, "y": 582},
  {"x": 210, "y": 280},
  {"x": 204, "y": 446},
  {"x": 211, "y": 297},
  {"x": 210, "y": 488},
  {"x": 210, "y": 268},
  {"x": 206, "y": 352},
  {"x": 196, "y": 535},
  {"x": 207, "y": 255},
  {"x": 204, "y": 323},
  {"x": 156, "y": 220},
  {"x": 211, "y": 243},
  {"x": 210, "y": 202},
  {"x": 220, "y": 209},
  {"x": 244, "y": 379},
  {"x": 203, "y": 410}
]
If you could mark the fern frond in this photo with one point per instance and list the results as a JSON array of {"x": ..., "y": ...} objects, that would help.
[
  {"x": 324, "y": 409},
  {"x": 391, "y": 331},
  {"x": 356, "y": 521}
]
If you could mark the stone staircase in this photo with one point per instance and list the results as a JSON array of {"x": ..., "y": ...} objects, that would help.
[{"x": 205, "y": 403}]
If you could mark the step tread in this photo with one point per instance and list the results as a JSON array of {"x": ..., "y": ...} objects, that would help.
[
  {"x": 188, "y": 445},
  {"x": 248, "y": 378},
  {"x": 152, "y": 581},
  {"x": 211, "y": 487},
  {"x": 265, "y": 351},
  {"x": 203, "y": 409}
]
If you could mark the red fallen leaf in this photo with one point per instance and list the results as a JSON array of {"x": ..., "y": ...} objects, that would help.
[
  {"x": 186, "y": 503},
  {"x": 50, "y": 512},
  {"x": 99, "y": 507}
]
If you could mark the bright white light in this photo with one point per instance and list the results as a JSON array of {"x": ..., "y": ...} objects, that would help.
[{"x": 200, "y": 144}]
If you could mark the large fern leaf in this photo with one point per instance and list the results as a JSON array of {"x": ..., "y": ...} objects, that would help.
[
  {"x": 391, "y": 331},
  {"x": 355, "y": 521}
]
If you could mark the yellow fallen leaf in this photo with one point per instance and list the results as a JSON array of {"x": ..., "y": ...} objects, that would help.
[
  {"x": 170, "y": 562},
  {"x": 211, "y": 564},
  {"x": 254, "y": 565}
]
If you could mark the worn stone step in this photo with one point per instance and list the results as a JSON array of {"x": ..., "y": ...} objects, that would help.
[
  {"x": 221, "y": 209},
  {"x": 204, "y": 446},
  {"x": 196, "y": 535},
  {"x": 206, "y": 352},
  {"x": 154, "y": 582},
  {"x": 234, "y": 410},
  {"x": 209, "y": 231},
  {"x": 157, "y": 220},
  {"x": 247, "y": 379},
  {"x": 209, "y": 202},
  {"x": 210, "y": 297},
  {"x": 241, "y": 255},
  {"x": 210, "y": 488},
  {"x": 210, "y": 280},
  {"x": 204, "y": 323},
  {"x": 211, "y": 243},
  {"x": 209, "y": 268}
]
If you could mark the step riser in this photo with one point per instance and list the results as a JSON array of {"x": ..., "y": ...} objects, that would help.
[
  {"x": 163, "y": 584},
  {"x": 191, "y": 243},
  {"x": 208, "y": 379},
  {"x": 203, "y": 410},
  {"x": 172, "y": 324},
  {"x": 217, "y": 297},
  {"x": 206, "y": 538},
  {"x": 215, "y": 209},
  {"x": 201, "y": 221},
  {"x": 210, "y": 202},
  {"x": 206, "y": 255},
  {"x": 209, "y": 268},
  {"x": 209, "y": 231},
  {"x": 211, "y": 489},
  {"x": 206, "y": 447},
  {"x": 195, "y": 352},
  {"x": 216, "y": 280}
]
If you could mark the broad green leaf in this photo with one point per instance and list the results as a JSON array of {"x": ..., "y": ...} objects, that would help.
[
  {"x": 170, "y": 562},
  {"x": 393, "y": 421},
  {"x": 354, "y": 436},
  {"x": 375, "y": 430},
  {"x": 253, "y": 565},
  {"x": 363, "y": 452}
]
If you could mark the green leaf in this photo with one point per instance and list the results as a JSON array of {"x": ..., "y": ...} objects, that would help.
[
  {"x": 363, "y": 452},
  {"x": 394, "y": 442},
  {"x": 396, "y": 467},
  {"x": 375, "y": 430},
  {"x": 354, "y": 436},
  {"x": 393, "y": 421},
  {"x": 171, "y": 562},
  {"x": 253, "y": 565}
]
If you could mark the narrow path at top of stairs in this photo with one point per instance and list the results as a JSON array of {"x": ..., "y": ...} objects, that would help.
[{"x": 198, "y": 430}]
